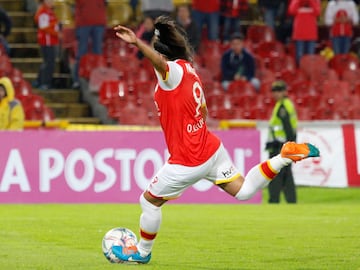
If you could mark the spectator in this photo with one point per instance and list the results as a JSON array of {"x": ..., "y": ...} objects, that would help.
[
  {"x": 11, "y": 110},
  {"x": 183, "y": 17},
  {"x": 207, "y": 13},
  {"x": 341, "y": 16},
  {"x": 154, "y": 9},
  {"x": 231, "y": 11},
  {"x": 282, "y": 127},
  {"x": 271, "y": 10},
  {"x": 134, "y": 5},
  {"x": 238, "y": 64},
  {"x": 305, "y": 26},
  {"x": 5, "y": 29},
  {"x": 145, "y": 33},
  {"x": 89, "y": 27},
  {"x": 48, "y": 39}
]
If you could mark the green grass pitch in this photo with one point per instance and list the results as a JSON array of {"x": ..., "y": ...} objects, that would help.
[{"x": 322, "y": 231}]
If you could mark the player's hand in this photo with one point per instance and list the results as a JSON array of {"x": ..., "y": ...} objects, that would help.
[{"x": 125, "y": 34}]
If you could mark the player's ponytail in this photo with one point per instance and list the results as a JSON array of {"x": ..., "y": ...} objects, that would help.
[{"x": 171, "y": 39}]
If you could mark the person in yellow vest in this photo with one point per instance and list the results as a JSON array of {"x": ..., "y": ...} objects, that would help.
[
  {"x": 11, "y": 110},
  {"x": 282, "y": 128}
]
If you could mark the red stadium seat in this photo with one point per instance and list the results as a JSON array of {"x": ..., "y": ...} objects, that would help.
[
  {"x": 259, "y": 33},
  {"x": 33, "y": 107},
  {"x": 99, "y": 75},
  {"x": 5, "y": 65},
  {"x": 88, "y": 62},
  {"x": 24, "y": 89},
  {"x": 267, "y": 49},
  {"x": 352, "y": 77},
  {"x": 279, "y": 64},
  {"x": 111, "y": 91},
  {"x": 265, "y": 76},
  {"x": 241, "y": 88},
  {"x": 342, "y": 62},
  {"x": 310, "y": 63}
]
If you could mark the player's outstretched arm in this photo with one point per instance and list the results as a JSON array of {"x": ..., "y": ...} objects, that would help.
[{"x": 156, "y": 59}]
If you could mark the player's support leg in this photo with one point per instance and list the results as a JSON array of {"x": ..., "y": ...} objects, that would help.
[
  {"x": 259, "y": 176},
  {"x": 150, "y": 221}
]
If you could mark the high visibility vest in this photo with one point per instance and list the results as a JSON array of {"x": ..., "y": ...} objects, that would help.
[{"x": 284, "y": 110}]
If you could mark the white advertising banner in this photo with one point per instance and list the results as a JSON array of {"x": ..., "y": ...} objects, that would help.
[{"x": 339, "y": 164}]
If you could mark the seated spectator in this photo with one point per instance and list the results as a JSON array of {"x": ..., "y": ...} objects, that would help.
[
  {"x": 207, "y": 13},
  {"x": 11, "y": 110},
  {"x": 238, "y": 64},
  {"x": 5, "y": 29},
  {"x": 341, "y": 16},
  {"x": 231, "y": 11},
  {"x": 154, "y": 9},
  {"x": 183, "y": 17},
  {"x": 145, "y": 33}
]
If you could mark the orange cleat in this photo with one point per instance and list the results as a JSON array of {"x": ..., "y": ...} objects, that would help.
[{"x": 299, "y": 151}]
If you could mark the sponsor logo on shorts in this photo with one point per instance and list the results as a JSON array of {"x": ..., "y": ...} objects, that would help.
[{"x": 228, "y": 173}]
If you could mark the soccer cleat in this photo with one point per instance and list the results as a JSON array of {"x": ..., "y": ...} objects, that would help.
[
  {"x": 299, "y": 151},
  {"x": 130, "y": 254}
]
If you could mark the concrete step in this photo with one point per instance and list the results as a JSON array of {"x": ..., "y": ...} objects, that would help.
[
  {"x": 69, "y": 110},
  {"x": 60, "y": 80},
  {"x": 31, "y": 64},
  {"x": 22, "y": 35},
  {"x": 59, "y": 95},
  {"x": 21, "y": 19},
  {"x": 25, "y": 50},
  {"x": 13, "y": 5}
]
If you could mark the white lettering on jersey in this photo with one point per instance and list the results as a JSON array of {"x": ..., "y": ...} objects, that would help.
[{"x": 198, "y": 97}]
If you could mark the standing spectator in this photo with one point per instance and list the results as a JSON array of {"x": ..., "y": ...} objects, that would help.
[
  {"x": 145, "y": 33},
  {"x": 90, "y": 22},
  {"x": 5, "y": 29},
  {"x": 11, "y": 110},
  {"x": 238, "y": 64},
  {"x": 305, "y": 25},
  {"x": 48, "y": 39},
  {"x": 271, "y": 10},
  {"x": 183, "y": 17},
  {"x": 231, "y": 11},
  {"x": 282, "y": 127},
  {"x": 341, "y": 16},
  {"x": 154, "y": 9},
  {"x": 207, "y": 13}
]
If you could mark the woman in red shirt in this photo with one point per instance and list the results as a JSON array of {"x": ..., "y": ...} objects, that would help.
[
  {"x": 195, "y": 152},
  {"x": 48, "y": 39},
  {"x": 305, "y": 25}
]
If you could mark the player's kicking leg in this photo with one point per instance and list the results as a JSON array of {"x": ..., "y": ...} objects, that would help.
[{"x": 260, "y": 175}]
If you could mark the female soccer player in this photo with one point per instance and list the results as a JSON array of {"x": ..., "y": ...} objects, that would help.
[{"x": 195, "y": 152}]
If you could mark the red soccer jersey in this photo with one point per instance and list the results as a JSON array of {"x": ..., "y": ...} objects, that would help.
[
  {"x": 48, "y": 26},
  {"x": 179, "y": 99}
]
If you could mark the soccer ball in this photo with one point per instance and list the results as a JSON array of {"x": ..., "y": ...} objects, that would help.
[{"x": 117, "y": 237}]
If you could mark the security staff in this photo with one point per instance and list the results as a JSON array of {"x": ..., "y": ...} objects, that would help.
[{"x": 282, "y": 128}]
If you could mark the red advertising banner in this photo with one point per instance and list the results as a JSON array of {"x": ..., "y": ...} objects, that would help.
[{"x": 103, "y": 167}]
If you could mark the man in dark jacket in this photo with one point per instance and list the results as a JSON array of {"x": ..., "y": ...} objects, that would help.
[
  {"x": 237, "y": 63},
  {"x": 5, "y": 29}
]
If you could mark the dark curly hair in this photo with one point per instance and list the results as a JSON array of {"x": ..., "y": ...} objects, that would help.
[{"x": 171, "y": 39}]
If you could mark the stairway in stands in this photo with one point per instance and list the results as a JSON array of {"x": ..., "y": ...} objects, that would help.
[{"x": 25, "y": 55}]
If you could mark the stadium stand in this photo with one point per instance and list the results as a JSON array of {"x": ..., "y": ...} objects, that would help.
[{"x": 121, "y": 84}]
